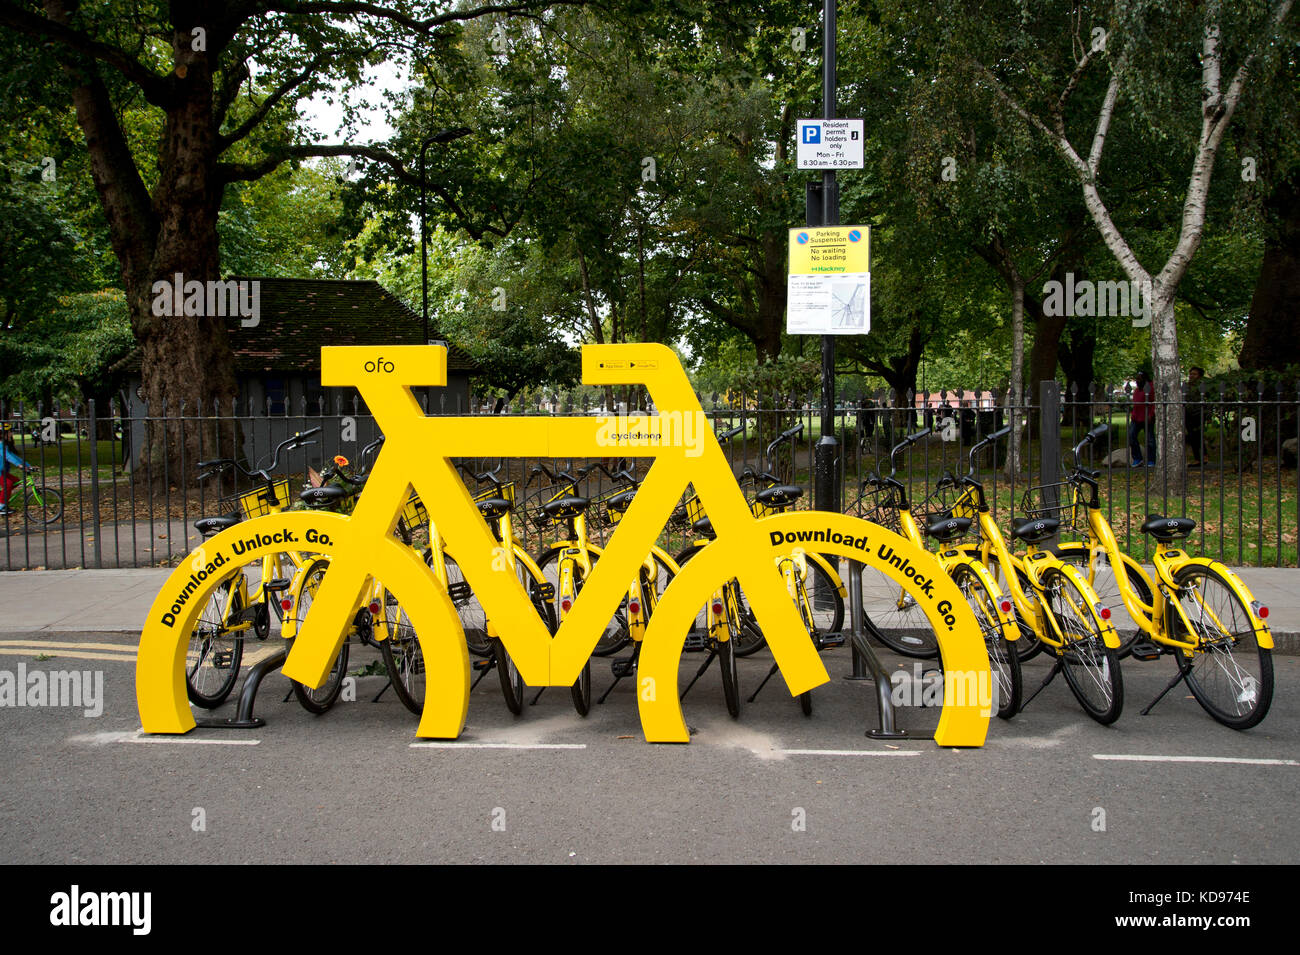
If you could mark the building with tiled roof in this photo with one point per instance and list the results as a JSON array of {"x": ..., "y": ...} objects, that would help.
[{"x": 277, "y": 360}]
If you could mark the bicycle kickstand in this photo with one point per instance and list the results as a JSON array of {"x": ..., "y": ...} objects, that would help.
[
  {"x": 713, "y": 652},
  {"x": 624, "y": 668},
  {"x": 754, "y": 696},
  {"x": 1182, "y": 675},
  {"x": 1051, "y": 675}
]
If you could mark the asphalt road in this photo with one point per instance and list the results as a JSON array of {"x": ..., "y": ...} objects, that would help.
[{"x": 350, "y": 786}]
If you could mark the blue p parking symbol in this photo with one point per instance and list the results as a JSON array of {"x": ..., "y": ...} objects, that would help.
[{"x": 812, "y": 134}]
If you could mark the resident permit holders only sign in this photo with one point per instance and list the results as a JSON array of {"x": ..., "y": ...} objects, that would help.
[
  {"x": 829, "y": 144},
  {"x": 829, "y": 288}
]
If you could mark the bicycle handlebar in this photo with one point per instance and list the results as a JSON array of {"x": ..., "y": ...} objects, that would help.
[
  {"x": 1089, "y": 438},
  {"x": 906, "y": 442},
  {"x": 783, "y": 436}
]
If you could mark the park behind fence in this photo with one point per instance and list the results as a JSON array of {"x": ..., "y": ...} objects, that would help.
[{"x": 1245, "y": 495}]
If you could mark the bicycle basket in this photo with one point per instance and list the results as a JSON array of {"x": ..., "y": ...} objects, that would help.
[
  {"x": 414, "y": 512},
  {"x": 538, "y": 516},
  {"x": 264, "y": 500},
  {"x": 879, "y": 506},
  {"x": 1057, "y": 501}
]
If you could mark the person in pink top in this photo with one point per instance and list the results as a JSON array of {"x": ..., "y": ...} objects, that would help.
[{"x": 1141, "y": 416}]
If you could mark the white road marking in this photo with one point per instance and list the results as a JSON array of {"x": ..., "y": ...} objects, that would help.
[
  {"x": 1128, "y": 757},
  {"x": 451, "y": 744},
  {"x": 139, "y": 737},
  {"x": 849, "y": 752}
]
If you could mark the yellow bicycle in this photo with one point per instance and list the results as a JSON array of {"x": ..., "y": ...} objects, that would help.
[
  {"x": 1195, "y": 609},
  {"x": 1051, "y": 599}
]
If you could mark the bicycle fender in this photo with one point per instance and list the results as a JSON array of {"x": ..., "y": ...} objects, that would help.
[{"x": 1263, "y": 633}]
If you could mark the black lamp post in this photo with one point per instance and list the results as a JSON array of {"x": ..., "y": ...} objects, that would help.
[{"x": 441, "y": 136}]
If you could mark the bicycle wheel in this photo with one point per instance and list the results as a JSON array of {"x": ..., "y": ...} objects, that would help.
[
  {"x": 403, "y": 658},
  {"x": 472, "y": 617},
  {"x": 581, "y": 690},
  {"x": 616, "y": 635},
  {"x": 1028, "y": 646},
  {"x": 319, "y": 699},
  {"x": 1101, "y": 577},
  {"x": 215, "y": 653},
  {"x": 42, "y": 505},
  {"x": 323, "y": 697},
  {"x": 512, "y": 682},
  {"x": 894, "y": 618},
  {"x": 727, "y": 652},
  {"x": 1091, "y": 668},
  {"x": 1229, "y": 673},
  {"x": 748, "y": 637},
  {"x": 1004, "y": 665}
]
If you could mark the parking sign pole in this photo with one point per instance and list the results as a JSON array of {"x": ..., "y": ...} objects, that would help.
[{"x": 826, "y": 458}]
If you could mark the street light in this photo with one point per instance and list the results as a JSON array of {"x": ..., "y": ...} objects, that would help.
[{"x": 441, "y": 136}]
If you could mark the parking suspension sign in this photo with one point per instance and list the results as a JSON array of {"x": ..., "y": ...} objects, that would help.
[{"x": 829, "y": 287}]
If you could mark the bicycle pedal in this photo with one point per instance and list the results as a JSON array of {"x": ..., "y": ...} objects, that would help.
[
  {"x": 546, "y": 591},
  {"x": 695, "y": 643},
  {"x": 1144, "y": 650},
  {"x": 222, "y": 659},
  {"x": 831, "y": 640},
  {"x": 278, "y": 584},
  {"x": 482, "y": 664},
  {"x": 459, "y": 591},
  {"x": 623, "y": 668}
]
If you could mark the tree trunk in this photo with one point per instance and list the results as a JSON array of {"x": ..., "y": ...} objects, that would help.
[
  {"x": 1167, "y": 378},
  {"x": 1017, "y": 370},
  {"x": 1271, "y": 342}
]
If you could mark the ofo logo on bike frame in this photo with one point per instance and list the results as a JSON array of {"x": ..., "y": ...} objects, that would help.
[
  {"x": 80, "y": 689},
  {"x": 1088, "y": 299},
  {"x": 213, "y": 299},
  {"x": 930, "y": 688},
  {"x": 668, "y": 429}
]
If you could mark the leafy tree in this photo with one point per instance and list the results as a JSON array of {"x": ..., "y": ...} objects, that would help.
[{"x": 219, "y": 84}]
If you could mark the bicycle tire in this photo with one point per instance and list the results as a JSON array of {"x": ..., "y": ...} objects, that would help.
[
  {"x": 473, "y": 619},
  {"x": 1028, "y": 646},
  {"x": 1091, "y": 668},
  {"x": 209, "y": 644},
  {"x": 403, "y": 656},
  {"x": 1004, "y": 664},
  {"x": 319, "y": 699},
  {"x": 46, "y": 511},
  {"x": 727, "y": 655},
  {"x": 1219, "y": 671},
  {"x": 512, "y": 682},
  {"x": 895, "y": 618},
  {"x": 580, "y": 692},
  {"x": 616, "y": 635},
  {"x": 1101, "y": 577}
]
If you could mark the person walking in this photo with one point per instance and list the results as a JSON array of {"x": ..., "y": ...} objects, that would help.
[
  {"x": 1194, "y": 415},
  {"x": 1140, "y": 417},
  {"x": 9, "y": 459}
]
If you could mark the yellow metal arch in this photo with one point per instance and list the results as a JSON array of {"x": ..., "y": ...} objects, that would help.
[{"x": 963, "y": 722}]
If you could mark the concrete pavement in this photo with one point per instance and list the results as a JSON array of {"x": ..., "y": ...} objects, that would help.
[{"x": 116, "y": 601}]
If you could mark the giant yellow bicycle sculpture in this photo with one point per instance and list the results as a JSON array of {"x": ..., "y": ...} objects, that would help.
[{"x": 419, "y": 451}]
